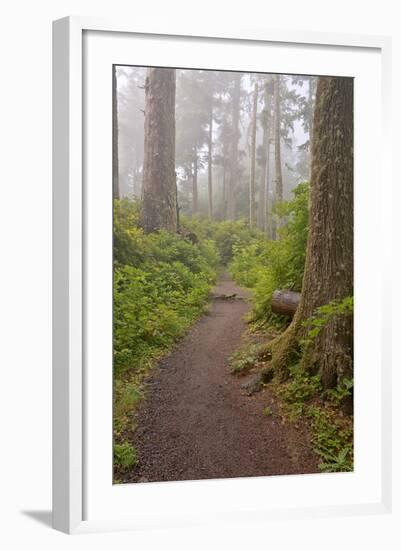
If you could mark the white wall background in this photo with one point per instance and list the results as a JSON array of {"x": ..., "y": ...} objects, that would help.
[{"x": 25, "y": 218}]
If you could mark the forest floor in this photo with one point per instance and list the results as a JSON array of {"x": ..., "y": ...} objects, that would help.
[{"x": 198, "y": 422}]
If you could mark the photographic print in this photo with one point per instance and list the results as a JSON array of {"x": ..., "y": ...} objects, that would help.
[{"x": 233, "y": 274}]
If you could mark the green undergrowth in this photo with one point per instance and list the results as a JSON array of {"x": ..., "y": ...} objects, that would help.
[
  {"x": 302, "y": 397},
  {"x": 324, "y": 314},
  {"x": 245, "y": 358},
  {"x": 264, "y": 265},
  {"x": 162, "y": 283},
  {"x": 125, "y": 455},
  {"x": 227, "y": 235}
]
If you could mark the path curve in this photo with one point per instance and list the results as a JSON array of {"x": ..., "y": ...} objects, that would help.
[{"x": 197, "y": 423}]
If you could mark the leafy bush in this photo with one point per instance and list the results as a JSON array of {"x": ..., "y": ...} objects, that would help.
[
  {"x": 324, "y": 314},
  {"x": 161, "y": 283},
  {"x": 244, "y": 359},
  {"x": 125, "y": 455},
  {"x": 153, "y": 305},
  {"x": 332, "y": 438},
  {"x": 302, "y": 386},
  {"x": 331, "y": 431},
  {"x": 264, "y": 265},
  {"x": 226, "y": 235}
]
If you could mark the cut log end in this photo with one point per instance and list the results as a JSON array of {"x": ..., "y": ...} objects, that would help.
[{"x": 285, "y": 302}]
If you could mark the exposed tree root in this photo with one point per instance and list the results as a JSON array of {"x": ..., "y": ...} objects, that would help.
[{"x": 329, "y": 354}]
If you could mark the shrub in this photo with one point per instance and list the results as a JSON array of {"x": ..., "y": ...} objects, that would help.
[
  {"x": 161, "y": 283},
  {"x": 229, "y": 235},
  {"x": 265, "y": 265},
  {"x": 125, "y": 455},
  {"x": 153, "y": 305},
  {"x": 324, "y": 314}
]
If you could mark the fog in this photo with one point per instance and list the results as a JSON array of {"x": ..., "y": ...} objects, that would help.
[{"x": 197, "y": 94}]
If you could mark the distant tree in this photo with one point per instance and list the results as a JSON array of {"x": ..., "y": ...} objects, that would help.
[
  {"x": 278, "y": 175},
  {"x": 214, "y": 88},
  {"x": 309, "y": 114},
  {"x": 210, "y": 160},
  {"x": 221, "y": 159},
  {"x": 195, "y": 163},
  {"x": 264, "y": 159},
  {"x": 159, "y": 204},
  {"x": 288, "y": 107},
  {"x": 222, "y": 146},
  {"x": 116, "y": 186},
  {"x": 252, "y": 202},
  {"x": 233, "y": 182},
  {"x": 301, "y": 165},
  {"x": 328, "y": 272},
  {"x": 131, "y": 107},
  {"x": 305, "y": 111},
  {"x": 192, "y": 127}
]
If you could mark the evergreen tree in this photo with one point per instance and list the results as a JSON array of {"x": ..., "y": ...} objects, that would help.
[
  {"x": 192, "y": 125},
  {"x": 159, "y": 204},
  {"x": 252, "y": 201},
  {"x": 328, "y": 272},
  {"x": 235, "y": 94}
]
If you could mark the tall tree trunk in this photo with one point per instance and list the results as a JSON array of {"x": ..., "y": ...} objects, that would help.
[
  {"x": 310, "y": 101},
  {"x": 195, "y": 182},
  {"x": 268, "y": 203},
  {"x": 116, "y": 185},
  {"x": 328, "y": 272},
  {"x": 210, "y": 163},
  {"x": 264, "y": 183},
  {"x": 159, "y": 183},
  {"x": 252, "y": 203},
  {"x": 278, "y": 196},
  {"x": 233, "y": 181}
]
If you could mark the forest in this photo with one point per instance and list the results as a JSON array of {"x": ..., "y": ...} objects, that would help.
[{"x": 233, "y": 274}]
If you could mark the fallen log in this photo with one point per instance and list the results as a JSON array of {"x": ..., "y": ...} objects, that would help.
[{"x": 285, "y": 302}]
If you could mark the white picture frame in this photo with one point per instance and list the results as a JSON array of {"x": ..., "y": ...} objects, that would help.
[{"x": 70, "y": 425}]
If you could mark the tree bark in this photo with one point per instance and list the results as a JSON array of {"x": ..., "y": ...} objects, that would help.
[
  {"x": 159, "y": 191},
  {"x": 116, "y": 184},
  {"x": 210, "y": 163},
  {"x": 310, "y": 100},
  {"x": 328, "y": 272},
  {"x": 285, "y": 302},
  {"x": 252, "y": 203}
]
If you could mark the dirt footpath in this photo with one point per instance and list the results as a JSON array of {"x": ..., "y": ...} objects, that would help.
[{"x": 197, "y": 422}]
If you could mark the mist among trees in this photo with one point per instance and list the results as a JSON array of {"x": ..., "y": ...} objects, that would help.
[{"x": 242, "y": 140}]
